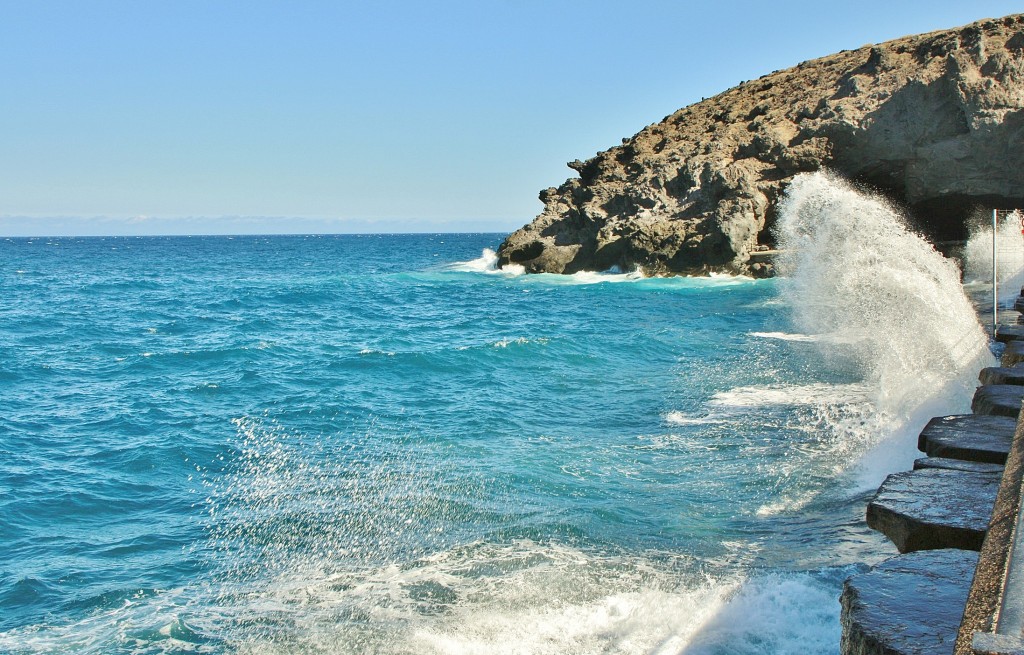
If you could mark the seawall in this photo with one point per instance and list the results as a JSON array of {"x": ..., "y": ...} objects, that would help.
[{"x": 956, "y": 586}]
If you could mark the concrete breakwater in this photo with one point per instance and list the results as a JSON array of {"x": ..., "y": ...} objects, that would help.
[{"x": 953, "y": 518}]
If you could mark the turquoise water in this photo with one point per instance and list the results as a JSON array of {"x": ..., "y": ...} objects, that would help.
[{"x": 379, "y": 444}]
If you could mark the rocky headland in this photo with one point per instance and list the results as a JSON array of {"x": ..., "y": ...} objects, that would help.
[{"x": 934, "y": 121}]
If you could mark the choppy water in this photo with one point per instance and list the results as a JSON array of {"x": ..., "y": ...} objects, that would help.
[{"x": 378, "y": 444}]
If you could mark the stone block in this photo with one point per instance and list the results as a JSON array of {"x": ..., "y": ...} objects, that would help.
[
  {"x": 998, "y": 400},
  {"x": 908, "y": 605},
  {"x": 956, "y": 465},
  {"x": 934, "y": 508},
  {"x": 1002, "y": 374},
  {"x": 973, "y": 437},
  {"x": 1013, "y": 353}
]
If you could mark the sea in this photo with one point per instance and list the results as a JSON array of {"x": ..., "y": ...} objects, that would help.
[{"x": 341, "y": 444}]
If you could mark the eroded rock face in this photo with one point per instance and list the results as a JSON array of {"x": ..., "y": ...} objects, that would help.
[{"x": 935, "y": 120}]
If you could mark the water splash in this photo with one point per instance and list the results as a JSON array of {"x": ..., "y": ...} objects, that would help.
[
  {"x": 885, "y": 302},
  {"x": 1009, "y": 256},
  {"x": 487, "y": 262},
  {"x": 297, "y": 530}
]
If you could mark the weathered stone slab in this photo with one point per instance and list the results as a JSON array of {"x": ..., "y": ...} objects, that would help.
[
  {"x": 973, "y": 437},
  {"x": 934, "y": 508},
  {"x": 1007, "y": 333},
  {"x": 956, "y": 465},
  {"x": 1013, "y": 354},
  {"x": 908, "y": 605},
  {"x": 986, "y": 643},
  {"x": 1002, "y": 374},
  {"x": 998, "y": 400}
]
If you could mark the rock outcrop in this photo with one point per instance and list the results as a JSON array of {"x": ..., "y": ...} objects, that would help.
[{"x": 936, "y": 121}]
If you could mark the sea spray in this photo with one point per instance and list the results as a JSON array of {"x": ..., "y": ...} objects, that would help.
[
  {"x": 1009, "y": 251},
  {"x": 880, "y": 297}
]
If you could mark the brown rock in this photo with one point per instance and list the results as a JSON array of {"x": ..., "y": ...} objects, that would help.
[{"x": 935, "y": 120}]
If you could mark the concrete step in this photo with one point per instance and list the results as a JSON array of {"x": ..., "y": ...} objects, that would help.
[
  {"x": 1013, "y": 353},
  {"x": 907, "y": 605},
  {"x": 956, "y": 465},
  {"x": 1007, "y": 333},
  {"x": 972, "y": 437},
  {"x": 998, "y": 400},
  {"x": 934, "y": 508},
  {"x": 1002, "y": 374}
]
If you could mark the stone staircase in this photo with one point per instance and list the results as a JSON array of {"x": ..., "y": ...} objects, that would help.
[{"x": 953, "y": 518}]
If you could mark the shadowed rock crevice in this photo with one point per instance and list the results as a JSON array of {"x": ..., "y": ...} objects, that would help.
[{"x": 934, "y": 121}]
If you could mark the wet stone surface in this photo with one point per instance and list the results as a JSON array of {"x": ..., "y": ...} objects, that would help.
[
  {"x": 956, "y": 465},
  {"x": 909, "y": 604},
  {"x": 1006, "y": 333},
  {"x": 973, "y": 437},
  {"x": 934, "y": 508},
  {"x": 1013, "y": 354},
  {"x": 1002, "y": 374},
  {"x": 998, "y": 400}
]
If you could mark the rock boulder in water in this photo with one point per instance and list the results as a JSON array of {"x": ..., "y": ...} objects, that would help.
[{"x": 934, "y": 120}]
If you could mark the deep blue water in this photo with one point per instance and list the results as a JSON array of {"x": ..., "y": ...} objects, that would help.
[{"x": 373, "y": 444}]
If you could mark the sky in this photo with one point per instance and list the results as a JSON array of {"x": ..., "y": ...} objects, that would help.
[{"x": 222, "y": 117}]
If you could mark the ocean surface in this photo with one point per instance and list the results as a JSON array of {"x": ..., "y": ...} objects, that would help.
[{"x": 382, "y": 444}]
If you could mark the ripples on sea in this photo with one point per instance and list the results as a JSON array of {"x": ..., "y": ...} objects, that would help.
[{"x": 380, "y": 444}]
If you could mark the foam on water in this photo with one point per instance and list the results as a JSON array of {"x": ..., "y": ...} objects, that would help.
[
  {"x": 315, "y": 556},
  {"x": 487, "y": 262},
  {"x": 785, "y": 336}
]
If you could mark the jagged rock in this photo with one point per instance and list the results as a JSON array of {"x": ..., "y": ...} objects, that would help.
[
  {"x": 934, "y": 508},
  {"x": 973, "y": 437},
  {"x": 1002, "y": 374},
  {"x": 956, "y": 465},
  {"x": 908, "y": 605},
  {"x": 935, "y": 120},
  {"x": 998, "y": 400}
]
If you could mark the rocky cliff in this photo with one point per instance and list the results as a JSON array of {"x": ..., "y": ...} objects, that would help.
[{"x": 935, "y": 120}]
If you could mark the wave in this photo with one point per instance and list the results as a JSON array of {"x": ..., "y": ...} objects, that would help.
[
  {"x": 682, "y": 418},
  {"x": 884, "y": 301},
  {"x": 481, "y": 598},
  {"x": 785, "y": 336},
  {"x": 795, "y": 395},
  {"x": 884, "y": 312},
  {"x": 487, "y": 263}
]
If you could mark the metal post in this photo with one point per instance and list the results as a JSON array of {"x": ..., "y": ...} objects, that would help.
[{"x": 995, "y": 281}]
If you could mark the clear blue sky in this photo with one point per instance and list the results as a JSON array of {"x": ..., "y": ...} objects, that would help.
[{"x": 195, "y": 116}]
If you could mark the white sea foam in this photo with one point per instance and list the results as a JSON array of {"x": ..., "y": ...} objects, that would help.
[
  {"x": 785, "y": 336},
  {"x": 794, "y": 395},
  {"x": 682, "y": 418},
  {"x": 518, "y": 598},
  {"x": 487, "y": 262},
  {"x": 376, "y": 351},
  {"x": 518, "y": 341}
]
